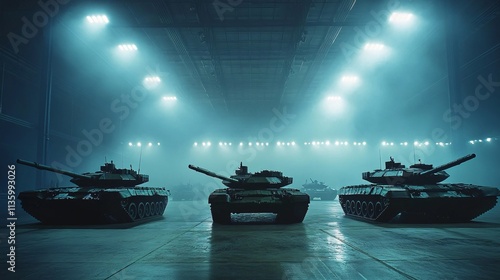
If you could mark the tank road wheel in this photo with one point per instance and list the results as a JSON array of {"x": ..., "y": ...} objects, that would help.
[
  {"x": 132, "y": 211},
  {"x": 140, "y": 210},
  {"x": 162, "y": 208},
  {"x": 347, "y": 206},
  {"x": 358, "y": 208},
  {"x": 364, "y": 209},
  {"x": 353, "y": 207},
  {"x": 371, "y": 209},
  {"x": 157, "y": 208},
  {"x": 153, "y": 209},
  {"x": 378, "y": 209},
  {"x": 147, "y": 209}
]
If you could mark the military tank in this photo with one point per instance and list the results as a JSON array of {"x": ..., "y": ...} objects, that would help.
[
  {"x": 318, "y": 190},
  {"x": 110, "y": 195},
  {"x": 414, "y": 195},
  {"x": 260, "y": 192}
]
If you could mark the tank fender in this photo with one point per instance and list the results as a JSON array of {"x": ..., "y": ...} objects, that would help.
[
  {"x": 218, "y": 198},
  {"x": 299, "y": 198}
]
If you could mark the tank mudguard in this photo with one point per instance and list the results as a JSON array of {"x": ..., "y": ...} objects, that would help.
[{"x": 218, "y": 198}]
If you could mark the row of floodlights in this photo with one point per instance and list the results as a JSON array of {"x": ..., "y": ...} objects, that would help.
[
  {"x": 139, "y": 144},
  {"x": 336, "y": 143},
  {"x": 489, "y": 139},
  {"x": 283, "y": 143},
  {"x": 416, "y": 143}
]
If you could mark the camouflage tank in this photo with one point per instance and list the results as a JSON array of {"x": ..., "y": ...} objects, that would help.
[
  {"x": 260, "y": 192},
  {"x": 414, "y": 195},
  {"x": 318, "y": 190},
  {"x": 110, "y": 195}
]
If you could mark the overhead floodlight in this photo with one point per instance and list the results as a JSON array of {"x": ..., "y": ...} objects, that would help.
[
  {"x": 400, "y": 17},
  {"x": 349, "y": 79},
  {"x": 127, "y": 47},
  {"x": 130, "y": 144},
  {"x": 150, "y": 144},
  {"x": 374, "y": 46},
  {"x": 97, "y": 19},
  {"x": 334, "y": 98},
  {"x": 152, "y": 79},
  {"x": 139, "y": 144},
  {"x": 169, "y": 98}
]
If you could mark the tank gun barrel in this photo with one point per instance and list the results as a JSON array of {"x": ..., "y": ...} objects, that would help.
[
  {"x": 211, "y": 174},
  {"x": 449, "y": 164},
  {"x": 48, "y": 168}
]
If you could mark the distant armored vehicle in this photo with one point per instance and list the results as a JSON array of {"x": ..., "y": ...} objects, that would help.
[
  {"x": 415, "y": 194},
  {"x": 318, "y": 190},
  {"x": 110, "y": 195},
  {"x": 260, "y": 192}
]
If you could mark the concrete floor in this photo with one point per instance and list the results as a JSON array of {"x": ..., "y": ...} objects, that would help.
[{"x": 184, "y": 244}]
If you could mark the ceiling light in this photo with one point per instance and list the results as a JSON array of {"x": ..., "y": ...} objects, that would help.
[
  {"x": 169, "y": 98},
  {"x": 374, "y": 46},
  {"x": 127, "y": 47},
  {"x": 97, "y": 19},
  {"x": 398, "y": 17}
]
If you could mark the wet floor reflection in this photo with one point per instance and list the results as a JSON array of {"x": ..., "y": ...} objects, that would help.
[{"x": 254, "y": 246}]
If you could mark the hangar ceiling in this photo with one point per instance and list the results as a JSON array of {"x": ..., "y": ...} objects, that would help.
[{"x": 233, "y": 57}]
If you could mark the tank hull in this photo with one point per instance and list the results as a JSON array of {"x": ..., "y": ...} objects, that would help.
[
  {"x": 322, "y": 194},
  {"x": 290, "y": 205},
  {"x": 83, "y": 205},
  {"x": 447, "y": 203}
]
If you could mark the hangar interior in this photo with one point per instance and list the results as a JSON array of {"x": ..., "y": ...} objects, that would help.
[{"x": 320, "y": 90}]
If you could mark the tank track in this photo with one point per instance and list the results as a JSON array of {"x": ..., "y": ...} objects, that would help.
[
  {"x": 104, "y": 211},
  {"x": 382, "y": 209},
  {"x": 141, "y": 208}
]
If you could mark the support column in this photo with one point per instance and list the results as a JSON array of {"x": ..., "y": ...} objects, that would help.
[
  {"x": 454, "y": 78},
  {"x": 45, "y": 102}
]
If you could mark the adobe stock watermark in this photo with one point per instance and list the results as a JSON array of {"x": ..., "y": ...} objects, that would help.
[
  {"x": 40, "y": 19},
  {"x": 372, "y": 29},
  {"x": 457, "y": 113},
  {"x": 121, "y": 108},
  {"x": 223, "y": 7},
  {"x": 277, "y": 123}
]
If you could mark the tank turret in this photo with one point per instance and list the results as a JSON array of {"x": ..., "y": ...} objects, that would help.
[
  {"x": 245, "y": 180},
  {"x": 109, "y": 176},
  {"x": 397, "y": 173}
]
